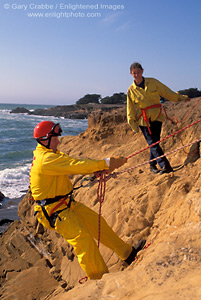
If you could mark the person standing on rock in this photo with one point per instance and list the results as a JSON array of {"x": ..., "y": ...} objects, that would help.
[
  {"x": 56, "y": 208},
  {"x": 144, "y": 111}
]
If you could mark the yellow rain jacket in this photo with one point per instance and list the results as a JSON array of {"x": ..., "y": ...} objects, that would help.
[
  {"x": 139, "y": 98},
  {"x": 49, "y": 172},
  {"x": 78, "y": 224}
]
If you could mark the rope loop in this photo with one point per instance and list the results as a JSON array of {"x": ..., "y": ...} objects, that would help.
[{"x": 83, "y": 280}]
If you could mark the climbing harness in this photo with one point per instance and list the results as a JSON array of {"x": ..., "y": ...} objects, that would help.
[
  {"x": 145, "y": 116},
  {"x": 49, "y": 219}
]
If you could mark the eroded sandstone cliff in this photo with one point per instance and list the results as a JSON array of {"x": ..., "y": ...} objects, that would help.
[{"x": 165, "y": 209}]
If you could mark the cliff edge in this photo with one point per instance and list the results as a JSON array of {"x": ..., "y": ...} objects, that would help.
[{"x": 165, "y": 209}]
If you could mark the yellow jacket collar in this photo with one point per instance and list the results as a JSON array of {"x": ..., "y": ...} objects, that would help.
[{"x": 39, "y": 146}]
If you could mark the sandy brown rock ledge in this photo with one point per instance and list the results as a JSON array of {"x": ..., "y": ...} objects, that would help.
[{"x": 166, "y": 210}]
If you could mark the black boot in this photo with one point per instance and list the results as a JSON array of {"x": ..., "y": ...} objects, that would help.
[
  {"x": 154, "y": 169},
  {"x": 134, "y": 252},
  {"x": 166, "y": 169}
]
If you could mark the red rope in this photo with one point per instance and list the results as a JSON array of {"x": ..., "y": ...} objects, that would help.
[
  {"x": 165, "y": 138},
  {"x": 103, "y": 177},
  {"x": 83, "y": 280},
  {"x": 101, "y": 196},
  {"x": 176, "y": 122},
  {"x": 182, "y": 120},
  {"x": 147, "y": 162}
]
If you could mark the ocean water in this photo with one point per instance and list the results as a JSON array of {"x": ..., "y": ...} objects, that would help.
[{"x": 17, "y": 145}]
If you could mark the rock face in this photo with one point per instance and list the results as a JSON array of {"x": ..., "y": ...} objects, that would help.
[{"x": 165, "y": 209}]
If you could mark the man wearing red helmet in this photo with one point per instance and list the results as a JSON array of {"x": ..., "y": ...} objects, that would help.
[
  {"x": 56, "y": 209},
  {"x": 44, "y": 131}
]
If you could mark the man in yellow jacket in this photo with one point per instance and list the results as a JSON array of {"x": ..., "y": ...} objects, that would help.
[
  {"x": 144, "y": 111},
  {"x": 56, "y": 209}
]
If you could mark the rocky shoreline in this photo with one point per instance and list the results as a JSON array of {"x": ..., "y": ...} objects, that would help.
[
  {"x": 36, "y": 263},
  {"x": 70, "y": 111}
]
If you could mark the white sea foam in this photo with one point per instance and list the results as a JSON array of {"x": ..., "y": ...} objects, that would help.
[
  {"x": 15, "y": 182},
  {"x": 17, "y": 144},
  {"x": 5, "y": 111}
]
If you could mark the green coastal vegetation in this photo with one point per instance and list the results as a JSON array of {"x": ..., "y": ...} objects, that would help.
[
  {"x": 120, "y": 98},
  {"x": 117, "y": 98}
]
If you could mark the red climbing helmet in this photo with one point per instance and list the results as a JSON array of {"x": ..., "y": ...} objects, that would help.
[{"x": 46, "y": 129}]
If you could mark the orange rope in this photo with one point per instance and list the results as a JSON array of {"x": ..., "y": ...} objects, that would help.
[
  {"x": 101, "y": 196},
  {"x": 181, "y": 121},
  {"x": 176, "y": 122},
  {"x": 165, "y": 138},
  {"x": 147, "y": 162},
  {"x": 103, "y": 177}
]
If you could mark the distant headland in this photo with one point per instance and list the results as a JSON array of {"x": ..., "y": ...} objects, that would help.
[
  {"x": 83, "y": 107},
  {"x": 69, "y": 111}
]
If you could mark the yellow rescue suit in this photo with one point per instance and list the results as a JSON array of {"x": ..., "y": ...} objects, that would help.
[
  {"x": 77, "y": 224},
  {"x": 139, "y": 98}
]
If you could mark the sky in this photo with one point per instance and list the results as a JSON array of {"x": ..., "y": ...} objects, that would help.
[{"x": 55, "y": 52}]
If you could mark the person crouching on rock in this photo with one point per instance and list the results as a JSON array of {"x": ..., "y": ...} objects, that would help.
[
  {"x": 144, "y": 111},
  {"x": 56, "y": 208}
]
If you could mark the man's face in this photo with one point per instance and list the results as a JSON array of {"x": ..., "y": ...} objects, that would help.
[
  {"x": 54, "y": 143},
  {"x": 137, "y": 75}
]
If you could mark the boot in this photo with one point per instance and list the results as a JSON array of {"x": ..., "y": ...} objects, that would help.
[
  {"x": 139, "y": 246},
  {"x": 154, "y": 169},
  {"x": 166, "y": 169}
]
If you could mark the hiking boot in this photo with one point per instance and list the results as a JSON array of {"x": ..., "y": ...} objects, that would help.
[
  {"x": 154, "y": 169},
  {"x": 166, "y": 169},
  {"x": 139, "y": 246}
]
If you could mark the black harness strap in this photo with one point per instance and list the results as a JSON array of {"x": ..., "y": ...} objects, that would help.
[
  {"x": 52, "y": 219},
  {"x": 47, "y": 216}
]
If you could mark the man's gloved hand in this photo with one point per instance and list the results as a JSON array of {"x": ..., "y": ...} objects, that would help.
[{"x": 116, "y": 162}]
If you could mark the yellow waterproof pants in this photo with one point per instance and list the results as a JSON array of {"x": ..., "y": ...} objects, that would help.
[{"x": 79, "y": 225}]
